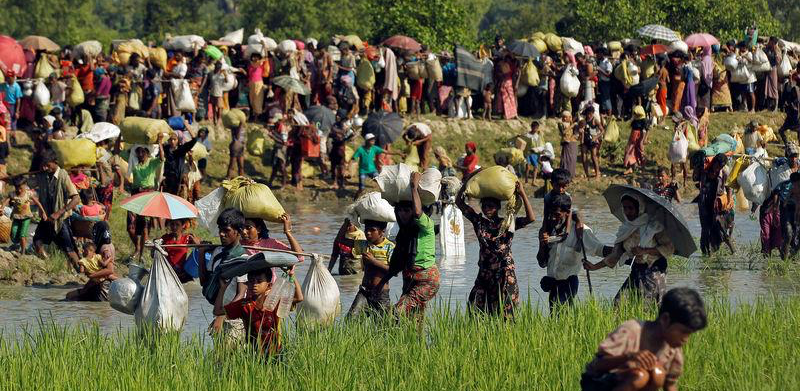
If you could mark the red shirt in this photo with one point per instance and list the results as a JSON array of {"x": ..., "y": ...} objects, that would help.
[
  {"x": 176, "y": 255},
  {"x": 470, "y": 161},
  {"x": 262, "y": 325},
  {"x": 85, "y": 75}
]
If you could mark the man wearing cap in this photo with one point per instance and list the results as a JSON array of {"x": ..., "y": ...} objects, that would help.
[{"x": 366, "y": 155}]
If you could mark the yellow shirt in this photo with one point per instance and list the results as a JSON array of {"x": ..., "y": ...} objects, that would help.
[
  {"x": 382, "y": 251},
  {"x": 91, "y": 265}
]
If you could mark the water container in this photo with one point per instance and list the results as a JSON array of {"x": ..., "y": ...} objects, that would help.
[
  {"x": 286, "y": 300},
  {"x": 274, "y": 295}
]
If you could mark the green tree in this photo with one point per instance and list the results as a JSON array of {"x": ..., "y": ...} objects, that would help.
[
  {"x": 320, "y": 19},
  {"x": 520, "y": 18},
  {"x": 63, "y": 21}
]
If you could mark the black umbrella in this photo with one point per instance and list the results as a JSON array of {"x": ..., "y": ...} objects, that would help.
[
  {"x": 643, "y": 88},
  {"x": 523, "y": 49},
  {"x": 321, "y": 116},
  {"x": 386, "y": 127},
  {"x": 657, "y": 206}
]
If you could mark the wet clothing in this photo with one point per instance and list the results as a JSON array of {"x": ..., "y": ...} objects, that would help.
[
  {"x": 415, "y": 255},
  {"x": 419, "y": 287},
  {"x": 263, "y": 327},
  {"x": 496, "y": 284},
  {"x": 668, "y": 191},
  {"x": 715, "y": 212},
  {"x": 367, "y": 302}
]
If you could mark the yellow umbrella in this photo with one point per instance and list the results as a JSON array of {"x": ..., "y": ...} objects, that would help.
[{"x": 36, "y": 42}]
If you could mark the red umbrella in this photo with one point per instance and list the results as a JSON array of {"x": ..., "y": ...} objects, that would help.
[
  {"x": 403, "y": 42},
  {"x": 12, "y": 58},
  {"x": 653, "y": 50},
  {"x": 702, "y": 39}
]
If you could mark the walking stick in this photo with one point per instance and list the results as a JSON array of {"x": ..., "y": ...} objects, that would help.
[{"x": 588, "y": 277}]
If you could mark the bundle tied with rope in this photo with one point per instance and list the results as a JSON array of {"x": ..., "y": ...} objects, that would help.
[{"x": 498, "y": 183}]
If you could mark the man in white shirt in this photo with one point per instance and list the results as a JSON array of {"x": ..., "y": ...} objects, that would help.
[
  {"x": 565, "y": 252},
  {"x": 604, "y": 74}
]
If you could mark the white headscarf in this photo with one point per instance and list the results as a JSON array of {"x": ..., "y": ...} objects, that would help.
[{"x": 647, "y": 226}]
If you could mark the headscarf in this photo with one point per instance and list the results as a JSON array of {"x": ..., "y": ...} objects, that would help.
[
  {"x": 472, "y": 146},
  {"x": 440, "y": 153},
  {"x": 638, "y": 113},
  {"x": 689, "y": 115},
  {"x": 646, "y": 226},
  {"x": 708, "y": 66},
  {"x": 101, "y": 234}
]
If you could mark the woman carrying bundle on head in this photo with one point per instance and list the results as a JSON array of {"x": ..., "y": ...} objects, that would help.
[{"x": 495, "y": 288}]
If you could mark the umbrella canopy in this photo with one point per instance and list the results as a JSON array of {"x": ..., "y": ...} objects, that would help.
[
  {"x": 36, "y": 42},
  {"x": 321, "y": 116},
  {"x": 353, "y": 40},
  {"x": 289, "y": 83},
  {"x": 643, "y": 88},
  {"x": 702, "y": 39},
  {"x": 657, "y": 206},
  {"x": 658, "y": 32},
  {"x": 386, "y": 127},
  {"x": 158, "y": 204},
  {"x": 523, "y": 49},
  {"x": 402, "y": 42},
  {"x": 653, "y": 50},
  {"x": 12, "y": 58}
]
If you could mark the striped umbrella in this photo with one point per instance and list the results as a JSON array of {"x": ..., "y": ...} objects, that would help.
[
  {"x": 656, "y": 31},
  {"x": 158, "y": 204}
]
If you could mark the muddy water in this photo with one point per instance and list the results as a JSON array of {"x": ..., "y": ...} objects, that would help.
[{"x": 736, "y": 278}]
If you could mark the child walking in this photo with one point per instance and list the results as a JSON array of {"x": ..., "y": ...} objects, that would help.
[
  {"x": 21, "y": 214},
  {"x": 375, "y": 253}
]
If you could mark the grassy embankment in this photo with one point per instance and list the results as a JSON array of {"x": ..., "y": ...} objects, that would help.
[
  {"x": 753, "y": 347},
  {"x": 450, "y": 134}
]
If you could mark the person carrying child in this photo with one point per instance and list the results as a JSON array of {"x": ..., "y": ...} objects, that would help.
[
  {"x": 414, "y": 255},
  {"x": 100, "y": 272},
  {"x": 374, "y": 251},
  {"x": 648, "y": 355},
  {"x": 21, "y": 214},
  {"x": 176, "y": 256},
  {"x": 495, "y": 288},
  {"x": 262, "y": 326}
]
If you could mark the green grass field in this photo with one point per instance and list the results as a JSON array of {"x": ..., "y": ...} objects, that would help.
[{"x": 753, "y": 347}]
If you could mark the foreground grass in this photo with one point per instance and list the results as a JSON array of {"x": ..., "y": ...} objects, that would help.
[{"x": 753, "y": 347}]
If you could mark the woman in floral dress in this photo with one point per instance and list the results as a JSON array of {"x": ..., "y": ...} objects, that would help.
[{"x": 496, "y": 286}]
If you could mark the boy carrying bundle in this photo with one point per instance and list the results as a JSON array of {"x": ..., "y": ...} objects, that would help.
[
  {"x": 375, "y": 252},
  {"x": 648, "y": 355}
]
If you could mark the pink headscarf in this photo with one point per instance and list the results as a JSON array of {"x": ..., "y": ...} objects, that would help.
[{"x": 708, "y": 66}]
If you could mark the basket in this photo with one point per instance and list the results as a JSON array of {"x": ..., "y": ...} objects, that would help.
[
  {"x": 81, "y": 228},
  {"x": 5, "y": 229}
]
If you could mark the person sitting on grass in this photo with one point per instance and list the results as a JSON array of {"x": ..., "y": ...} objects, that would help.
[
  {"x": 375, "y": 252},
  {"x": 648, "y": 355},
  {"x": 21, "y": 214},
  {"x": 176, "y": 256},
  {"x": 100, "y": 272},
  {"x": 366, "y": 155},
  {"x": 262, "y": 326}
]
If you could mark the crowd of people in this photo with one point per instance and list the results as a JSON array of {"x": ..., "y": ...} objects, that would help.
[{"x": 348, "y": 81}]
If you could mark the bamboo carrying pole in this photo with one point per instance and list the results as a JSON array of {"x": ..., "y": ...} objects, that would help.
[{"x": 277, "y": 250}]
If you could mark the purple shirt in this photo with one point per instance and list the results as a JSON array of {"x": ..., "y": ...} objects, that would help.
[{"x": 104, "y": 88}]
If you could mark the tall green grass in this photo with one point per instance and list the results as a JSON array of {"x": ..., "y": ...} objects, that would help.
[{"x": 752, "y": 347}]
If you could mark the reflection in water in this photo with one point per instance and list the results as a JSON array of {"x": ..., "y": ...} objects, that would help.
[{"x": 731, "y": 278}]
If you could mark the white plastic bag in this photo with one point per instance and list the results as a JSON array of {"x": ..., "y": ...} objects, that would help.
[
  {"x": 164, "y": 303},
  {"x": 253, "y": 48},
  {"x": 731, "y": 63},
  {"x": 395, "y": 184},
  {"x": 208, "y": 209},
  {"x": 741, "y": 74},
  {"x": 679, "y": 148},
  {"x": 183, "y": 95},
  {"x": 570, "y": 84},
  {"x": 760, "y": 62},
  {"x": 287, "y": 46},
  {"x": 570, "y": 44},
  {"x": 184, "y": 43},
  {"x": 125, "y": 293},
  {"x": 101, "y": 131},
  {"x": 88, "y": 48},
  {"x": 753, "y": 181},
  {"x": 41, "y": 95},
  {"x": 451, "y": 235},
  {"x": 785, "y": 67},
  {"x": 372, "y": 207},
  {"x": 234, "y": 36},
  {"x": 320, "y": 295}
]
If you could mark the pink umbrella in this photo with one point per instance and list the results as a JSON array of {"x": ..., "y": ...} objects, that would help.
[
  {"x": 12, "y": 58},
  {"x": 403, "y": 42},
  {"x": 701, "y": 39}
]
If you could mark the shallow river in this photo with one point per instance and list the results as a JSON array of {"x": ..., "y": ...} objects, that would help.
[{"x": 736, "y": 279}]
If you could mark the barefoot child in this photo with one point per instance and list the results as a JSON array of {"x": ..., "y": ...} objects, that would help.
[
  {"x": 343, "y": 249},
  {"x": 21, "y": 214},
  {"x": 262, "y": 326},
  {"x": 488, "y": 97},
  {"x": 642, "y": 355},
  {"x": 375, "y": 252}
]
